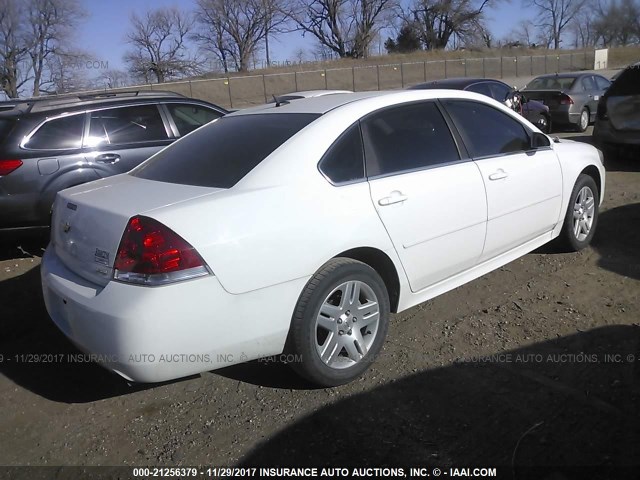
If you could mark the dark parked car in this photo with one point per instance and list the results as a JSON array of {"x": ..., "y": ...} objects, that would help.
[
  {"x": 618, "y": 120},
  {"x": 572, "y": 98},
  {"x": 535, "y": 112},
  {"x": 52, "y": 143}
]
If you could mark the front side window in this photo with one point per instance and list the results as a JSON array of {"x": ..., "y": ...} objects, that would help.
[
  {"x": 344, "y": 161},
  {"x": 486, "y": 130},
  {"x": 406, "y": 138},
  {"x": 482, "y": 88},
  {"x": 118, "y": 126},
  {"x": 500, "y": 91},
  {"x": 58, "y": 134},
  {"x": 222, "y": 152},
  {"x": 188, "y": 117}
]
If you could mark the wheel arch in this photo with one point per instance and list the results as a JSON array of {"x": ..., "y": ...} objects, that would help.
[
  {"x": 594, "y": 173},
  {"x": 383, "y": 265}
]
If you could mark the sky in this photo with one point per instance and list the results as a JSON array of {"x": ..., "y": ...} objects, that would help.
[{"x": 103, "y": 34}]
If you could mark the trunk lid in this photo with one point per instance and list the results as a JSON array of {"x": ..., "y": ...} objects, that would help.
[
  {"x": 89, "y": 220},
  {"x": 551, "y": 98}
]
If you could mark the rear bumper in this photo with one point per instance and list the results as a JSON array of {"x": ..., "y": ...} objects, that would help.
[
  {"x": 564, "y": 115},
  {"x": 158, "y": 334},
  {"x": 604, "y": 134}
]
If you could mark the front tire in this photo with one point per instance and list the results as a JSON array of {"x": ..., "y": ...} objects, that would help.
[
  {"x": 543, "y": 123},
  {"x": 340, "y": 322},
  {"x": 581, "y": 218}
]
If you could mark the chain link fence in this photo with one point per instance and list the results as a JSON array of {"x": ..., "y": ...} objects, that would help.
[{"x": 245, "y": 91}]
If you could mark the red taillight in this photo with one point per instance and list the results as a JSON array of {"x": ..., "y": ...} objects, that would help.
[
  {"x": 8, "y": 166},
  {"x": 153, "y": 254},
  {"x": 565, "y": 99}
]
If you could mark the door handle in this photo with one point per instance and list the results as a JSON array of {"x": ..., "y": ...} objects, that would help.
[
  {"x": 107, "y": 158},
  {"x": 499, "y": 175},
  {"x": 394, "y": 197}
]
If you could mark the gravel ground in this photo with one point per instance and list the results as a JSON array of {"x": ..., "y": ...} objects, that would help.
[{"x": 535, "y": 363}]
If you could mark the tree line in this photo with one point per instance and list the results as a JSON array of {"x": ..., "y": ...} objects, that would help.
[{"x": 38, "y": 53}]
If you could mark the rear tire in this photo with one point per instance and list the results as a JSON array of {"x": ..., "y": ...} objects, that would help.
[
  {"x": 581, "y": 218},
  {"x": 340, "y": 323},
  {"x": 583, "y": 121}
]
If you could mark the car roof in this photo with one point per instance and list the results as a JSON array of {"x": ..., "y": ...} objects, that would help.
[
  {"x": 566, "y": 75},
  {"x": 21, "y": 106},
  {"x": 326, "y": 103},
  {"x": 456, "y": 83}
]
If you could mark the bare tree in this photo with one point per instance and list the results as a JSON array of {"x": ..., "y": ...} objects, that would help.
[
  {"x": 555, "y": 15},
  {"x": 440, "y": 21},
  {"x": 159, "y": 45},
  {"x": 617, "y": 22},
  {"x": 50, "y": 27},
  {"x": 346, "y": 27},
  {"x": 113, "y": 78},
  {"x": 232, "y": 30},
  {"x": 66, "y": 73},
  {"x": 13, "y": 51}
]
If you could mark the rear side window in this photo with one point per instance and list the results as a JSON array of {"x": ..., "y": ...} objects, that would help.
[
  {"x": 344, "y": 161},
  {"x": 117, "y": 126},
  {"x": 407, "y": 138},
  {"x": 58, "y": 134},
  {"x": 602, "y": 83},
  {"x": 222, "y": 152},
  {"x": 188, "y": 117},
  {"x": 588, "y": 84},
  {"x": 486, "y": 130}
]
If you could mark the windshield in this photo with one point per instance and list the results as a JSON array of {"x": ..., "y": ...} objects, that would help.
[
  {"x": 222, "y": 152},
  {"x": 551, "y": 83}
]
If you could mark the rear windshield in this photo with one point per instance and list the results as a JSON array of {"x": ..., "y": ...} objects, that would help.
[
  {"x": 6, "y": 125},
  {"x": 223, "y": 151},
  {"x": 551, "y": 83}
]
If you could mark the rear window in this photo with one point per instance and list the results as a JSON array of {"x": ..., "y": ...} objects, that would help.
[
  {"x": 551, "y": 83},
  {"x": 222, "y": 152}
]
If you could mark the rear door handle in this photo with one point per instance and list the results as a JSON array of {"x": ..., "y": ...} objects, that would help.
[
  {"x": 107, "y": 158},
  {"x": 394, "y": 197},
  {"x": 499, "y": 175}
]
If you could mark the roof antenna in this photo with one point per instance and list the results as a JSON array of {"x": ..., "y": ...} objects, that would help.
[{"x": 277, "y": 102}]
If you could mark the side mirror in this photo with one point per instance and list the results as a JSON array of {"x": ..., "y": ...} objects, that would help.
[{"x": 539, "y": 140}]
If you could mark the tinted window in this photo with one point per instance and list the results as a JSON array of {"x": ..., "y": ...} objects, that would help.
[
  {"x": 123, "y": 125},
  {"x": 60, "y": 133},
  {"x": 482, "y": 88},
  {"x": 486, "y": 130},
  {"x": 222, "y": 152},
  {"x": 344, "y": 161},
  {"x": 406, "y": 138},
  {"x": 188, "y": 117},
  {"x": 602, "y": 83},
  {"x": 588, "y": 84},
  {"x": 500, "y": 91}
]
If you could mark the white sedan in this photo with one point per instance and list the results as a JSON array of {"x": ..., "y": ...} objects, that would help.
[{"x": 298, "y": 228}]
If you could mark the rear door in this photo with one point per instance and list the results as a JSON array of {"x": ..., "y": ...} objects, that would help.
[
  {"x": 430, "y": 198},
  {"x": 524, "y": 186},
  {"x": 592, "y": 94},
  {"x": 120, "y": 138}
]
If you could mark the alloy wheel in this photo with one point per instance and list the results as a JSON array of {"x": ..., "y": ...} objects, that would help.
[{"x": 583, "y": 213}]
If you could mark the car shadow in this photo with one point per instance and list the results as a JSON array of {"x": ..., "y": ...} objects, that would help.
[
  {"x": 38, "y": 357},
  {"x": 23, "y": 243},
  {"x": 617, "y": 240},
  {"x": 562, "y": 403}
]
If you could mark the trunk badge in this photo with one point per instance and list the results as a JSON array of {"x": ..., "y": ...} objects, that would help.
[{"x": 66, "y": 227}]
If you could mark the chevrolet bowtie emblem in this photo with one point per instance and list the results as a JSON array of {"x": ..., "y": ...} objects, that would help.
[{"x": 66, "y": 227}]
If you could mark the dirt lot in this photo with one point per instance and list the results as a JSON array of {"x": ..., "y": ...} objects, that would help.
[{"x": 562, "y": 386}]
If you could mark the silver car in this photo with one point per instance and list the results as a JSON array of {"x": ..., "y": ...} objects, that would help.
[{"x": 572, "y": 98}]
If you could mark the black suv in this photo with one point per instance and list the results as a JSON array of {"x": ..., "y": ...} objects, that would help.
[
  {"x": 617, "y": 125},
  {"x": 52, "y": 143}
]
